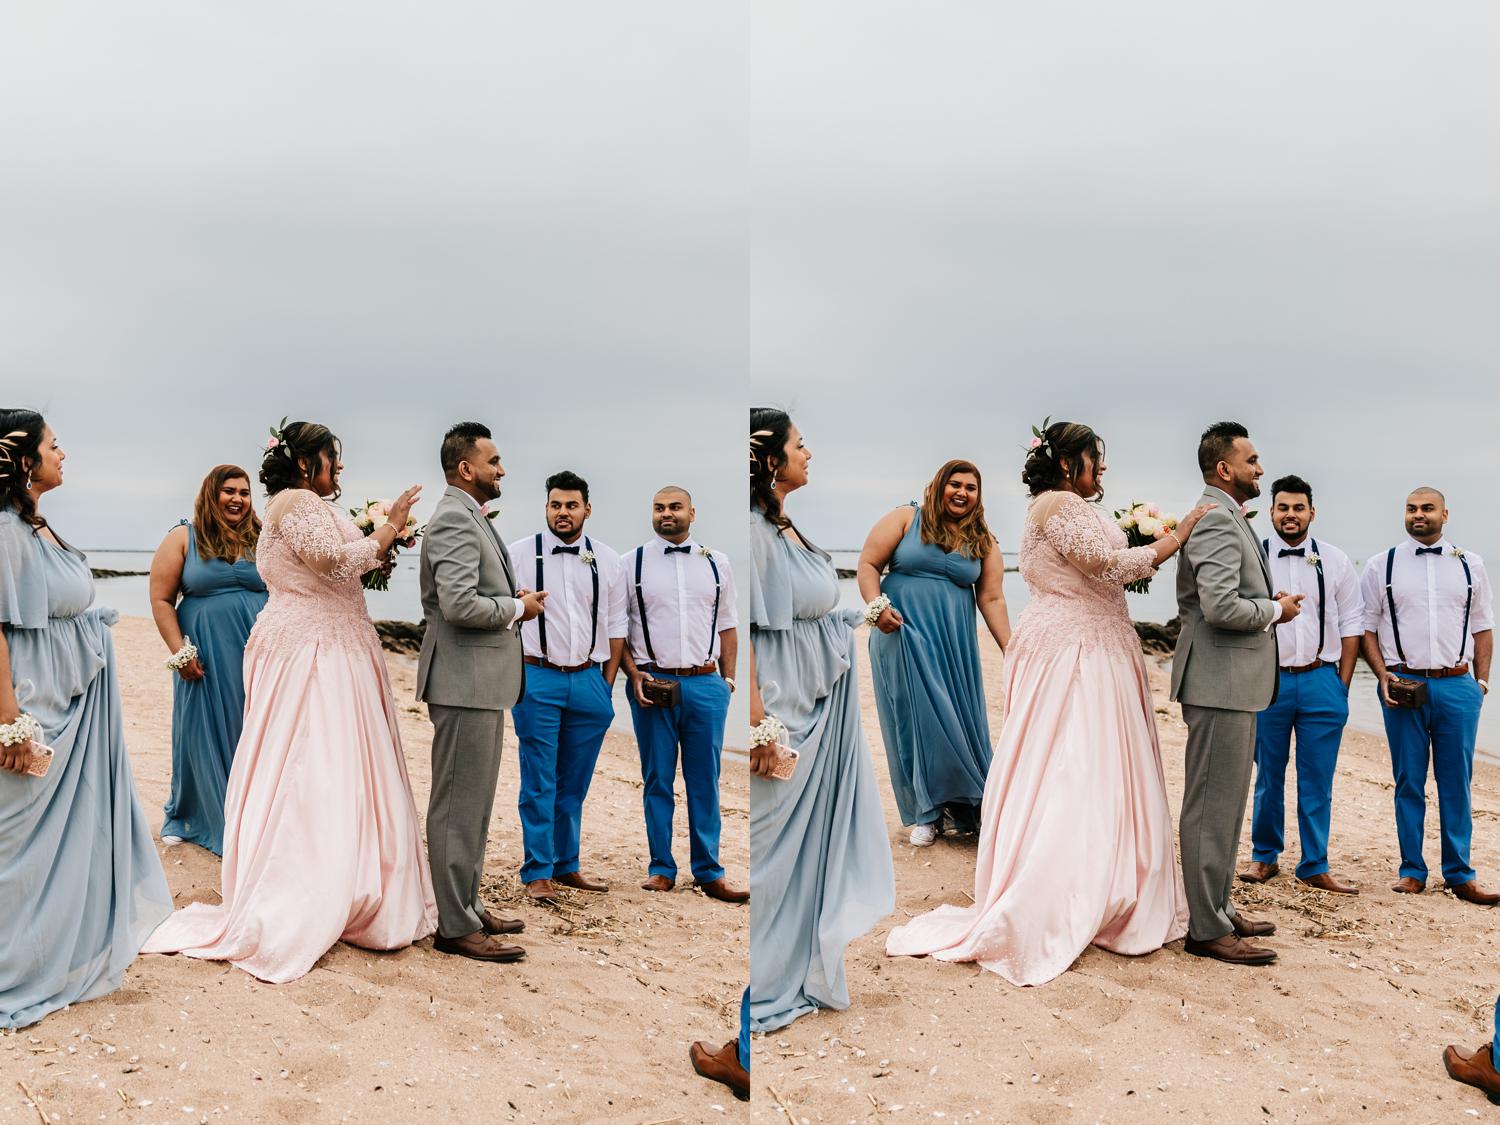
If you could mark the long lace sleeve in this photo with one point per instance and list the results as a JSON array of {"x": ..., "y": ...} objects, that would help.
[
  {"x": 1074, "y": 531},
  {"x": 311, "y": 530}
]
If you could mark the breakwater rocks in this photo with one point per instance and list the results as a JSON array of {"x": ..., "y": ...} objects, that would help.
[
  {"x": 404, "y": 637},
  {"x": 1158, "y": 640}
]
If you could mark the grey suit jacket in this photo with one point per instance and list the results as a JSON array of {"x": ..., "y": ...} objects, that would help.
[
  {"x": 470, "y": 655},
  {"x": 1225, "y": 655}
]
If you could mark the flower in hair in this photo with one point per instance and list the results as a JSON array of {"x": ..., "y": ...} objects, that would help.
[
  {"x": 1039, "y": 441},
  {"x": 278, "y": 440}
]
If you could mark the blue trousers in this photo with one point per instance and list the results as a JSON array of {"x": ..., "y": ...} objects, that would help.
[
  {"x": 560, "y": 726},
  {"x": 1442, "y": 730},
  {"x": 745, "y": 1028},
  {"x": 1314, "y": 705},
  {"x": 696, "y": 728}
]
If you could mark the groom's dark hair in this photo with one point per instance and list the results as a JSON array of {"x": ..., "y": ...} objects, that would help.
[
  {"x": 459, "y": 442},
  {"x": 1216, "y": 443},
  {"x": 1294, "y": 485}
]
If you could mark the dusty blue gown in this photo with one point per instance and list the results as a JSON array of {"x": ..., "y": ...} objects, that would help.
[
  {"x": 219, "y": 605},
  {"x": 820, "y": 862},
  {"x": 81, "y": 887},
  {"x": 929, "y": 691}
]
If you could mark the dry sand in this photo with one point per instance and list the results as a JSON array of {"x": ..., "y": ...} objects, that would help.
[
  {"x": 593, "y": 1026},
  {"x": 1348, "y": 1025}
]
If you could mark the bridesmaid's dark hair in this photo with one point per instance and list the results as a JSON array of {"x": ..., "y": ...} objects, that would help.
[
  {"x": 969, "y": 536},
  {"x": 1044, "y": 471},
  {"x": 217, "y": 537},
  {"x": 770, "y": 429},
  {"x": 281, "y": 467},
  {"x": 20, "y": 441}
]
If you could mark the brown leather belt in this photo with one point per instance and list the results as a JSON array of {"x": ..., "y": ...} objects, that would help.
[
  {"x": 1313, "y": 667},
  {"x": 538, "y": 662},
  {"x": 700, "y": 670},
  {"x": 1430, "y": 673}
]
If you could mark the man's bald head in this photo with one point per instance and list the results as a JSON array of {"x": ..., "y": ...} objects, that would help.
[
  {"x": 675, "y": 488},
  {"x": 1428, "y": 490},
  {"x": 672, "y": 513},
  {"x": 1426, "y": 515}
]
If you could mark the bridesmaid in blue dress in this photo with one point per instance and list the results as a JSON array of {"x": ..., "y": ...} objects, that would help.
[
  {"x": 210, "y": 564},
  {"x": 81, "y": 887},
  {"x": 820, "y": 861},
  {"x": 924, "y": 650}
]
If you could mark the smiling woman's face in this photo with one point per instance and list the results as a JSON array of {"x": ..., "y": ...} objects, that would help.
[{"x": 234, "y": 500}]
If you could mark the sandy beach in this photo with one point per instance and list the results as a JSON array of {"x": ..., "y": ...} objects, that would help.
[
  {"x": 594, "y": 1026},
  {"x": 1349, "y": 1024}
]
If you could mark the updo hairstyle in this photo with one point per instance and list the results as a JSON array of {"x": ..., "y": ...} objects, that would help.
[
  {"x": 301, "y": 443},
  {"x": 1044, "y": 471}
]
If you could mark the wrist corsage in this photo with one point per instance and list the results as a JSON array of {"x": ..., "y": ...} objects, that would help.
[
  {"x": 768, "y": 730},
  {"x": 183, "y": 656},
  {"x": 876, "y": 607},
  {"x": 24, "y": 729}
]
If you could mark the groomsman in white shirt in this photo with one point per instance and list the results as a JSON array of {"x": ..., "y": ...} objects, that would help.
[
  {"x": 572, "y": 660},
  {"x": 1318, "y": 651},
  {"x": 1429, "y": 635},
  {"x": 680, "y": 660}
]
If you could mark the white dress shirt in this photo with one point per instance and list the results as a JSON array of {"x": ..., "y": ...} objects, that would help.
[
  {"x": 484, "y": 519},
  {"x": 1342, "y": 610},
  {"x": 678, "y": 590},
  {"x": 1430, "y": 593},
  {"x": 569, "y": 582}
]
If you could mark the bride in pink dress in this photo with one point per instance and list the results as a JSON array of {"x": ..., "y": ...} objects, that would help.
[
  {"x": 1075, "y": 844},
  {"x": 321, "y": 838}
]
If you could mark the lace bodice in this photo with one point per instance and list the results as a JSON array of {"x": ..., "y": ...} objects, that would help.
[
  {"x": 312, "y": 557},
  {"x": 1075, "y": 562}
]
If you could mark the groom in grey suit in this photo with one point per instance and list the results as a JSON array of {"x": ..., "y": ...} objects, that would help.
[
  {"x": 1224, "y": 671},
  {"x": 469, "y": 674}
]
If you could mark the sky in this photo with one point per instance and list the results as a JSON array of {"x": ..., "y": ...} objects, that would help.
[
  {"x": 386, "y": 219},
  {"x": 967, "y": 217}
]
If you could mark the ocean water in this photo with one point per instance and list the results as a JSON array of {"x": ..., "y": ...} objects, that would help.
[{"x": 1159, "y": 604}]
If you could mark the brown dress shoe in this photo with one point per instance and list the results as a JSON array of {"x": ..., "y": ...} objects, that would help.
[
  {"x": 1250, "y": 927},
  {"x": 479, "y": 946},
  {"x": 722, "y": 891},
  {"x": 580, "y": 882},
  {"x": 658, "y": 883},
  {"x": 1231, "y": 950},
  {"x": 541, "y": 890},
  {"x": 1259, "y": 872},
  {"x": 498, "y": 924},
  {"x": 1407, "y": 885},
  {"x": 1476, "y": 1068},
  {"x": 1470, "y": 892},
  {"x": 723, "y": 1065},
  {"x": 1327, "y": 882}
]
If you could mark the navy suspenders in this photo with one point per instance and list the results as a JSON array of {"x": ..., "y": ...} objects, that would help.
[
  {"x": 541, "y": 618},
  {"x": 1265, "y": 545},
  {"x": 1390, "y": 601},
  {"x": 640, "y": 601}
]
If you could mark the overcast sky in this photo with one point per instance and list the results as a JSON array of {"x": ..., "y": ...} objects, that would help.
[
  {"x": 1146, "y": 217},
  {"x": 386, "y": 219}
]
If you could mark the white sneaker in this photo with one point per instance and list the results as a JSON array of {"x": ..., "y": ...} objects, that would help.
[
  {"x": 924, "y": 835},
  {"x": 171, "y": 841}
]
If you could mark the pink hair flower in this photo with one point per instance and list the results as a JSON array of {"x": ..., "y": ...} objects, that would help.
[
  {"x": 1036, "y": 443},
  {"x": 272, "y": 444}
]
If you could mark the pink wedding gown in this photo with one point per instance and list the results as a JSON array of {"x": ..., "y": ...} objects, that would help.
[
  {"x": 321, "y": 842},
  {"x": 1075, "y": 846}
]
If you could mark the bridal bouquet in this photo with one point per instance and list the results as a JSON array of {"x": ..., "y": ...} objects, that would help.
[
  {"x": 1143, "y": 525},
  {"x": 370, "y": 519}
]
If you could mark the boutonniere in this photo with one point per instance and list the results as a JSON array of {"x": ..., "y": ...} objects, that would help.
[
  {"x": 706, "y": 552},
  {"x": 1250, "y": 513},
  {"x": 1314, "y": 560},
  {"x": 587, "y": 558},
  {"x": 1458, "y": 553}
]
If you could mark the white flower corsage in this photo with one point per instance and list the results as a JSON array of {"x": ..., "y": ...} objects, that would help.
[
  {"x": 587, "y": 558},
  {"x": 767, "y": 732},
  {"x": 183, "y": 656},
  {"x": 1458, "y": 552},
  {"x": 24, "y": 729},
  {"x": 706, "y": 552},
  {"x": 876, "y": 607},
  {"x": 1314, "y": 560}
]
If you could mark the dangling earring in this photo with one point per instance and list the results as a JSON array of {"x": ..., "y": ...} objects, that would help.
[{"x": 28, "y": 482}]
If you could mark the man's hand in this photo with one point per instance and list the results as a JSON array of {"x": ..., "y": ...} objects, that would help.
[
  {"x": 637, "y": 684},
  {"x": 532, "y": 604},
  {"x": 1385, "y": 677},
  {"x": 1291, "y": 606}
]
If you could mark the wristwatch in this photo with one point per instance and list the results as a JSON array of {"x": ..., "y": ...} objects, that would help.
[{"x": 728, "y": 680}]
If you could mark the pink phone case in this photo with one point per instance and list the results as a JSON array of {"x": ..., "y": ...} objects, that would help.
[
  {"x": 786, "y": 762},
  {"x": 41, "y": 760}
]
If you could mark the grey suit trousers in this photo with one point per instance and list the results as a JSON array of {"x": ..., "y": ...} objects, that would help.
[
  {"x": 1220, "y": 754},
  {"x": 465, "y": 767}
]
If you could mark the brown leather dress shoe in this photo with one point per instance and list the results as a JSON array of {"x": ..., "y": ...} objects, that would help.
[
  {"x": 1470, "y": 892},
  {"x": 479, "y": 946},
  {"x": 1475, "y": 1068},
  {"x": 722, "y": 891},
  {"x": 541, "y": 890},
  {"x": 1231, "y": 950},
  {"x": 1407, "y": 885},
  {"x": 581, "y": 882},
  {"x": 1259, "y": 872},
  {"x": 723, "y": 1065},
  {"x": 1327, "y": 882},
  {"x": 658, "y": 883},
  {"x": 1250, "y": 927},
  {"x": 498, "y": 924}
]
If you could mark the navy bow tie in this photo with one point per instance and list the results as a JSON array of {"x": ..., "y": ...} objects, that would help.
[
  {"x": 573, "y": 550},
  {"x": 1429, "y": 550},
  {"x": 1300, "y": 552},
  {"x": 684, "y": 549}
]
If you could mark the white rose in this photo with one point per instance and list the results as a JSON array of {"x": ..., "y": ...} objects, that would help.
[
  {"x": 1149, "y": 526},
  {"x": 1126, "y": 522}
]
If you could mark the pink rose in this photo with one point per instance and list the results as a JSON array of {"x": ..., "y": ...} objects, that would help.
[
  {"x": 1036, "y": 443},
  {"x": 272, "y": 444}
]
